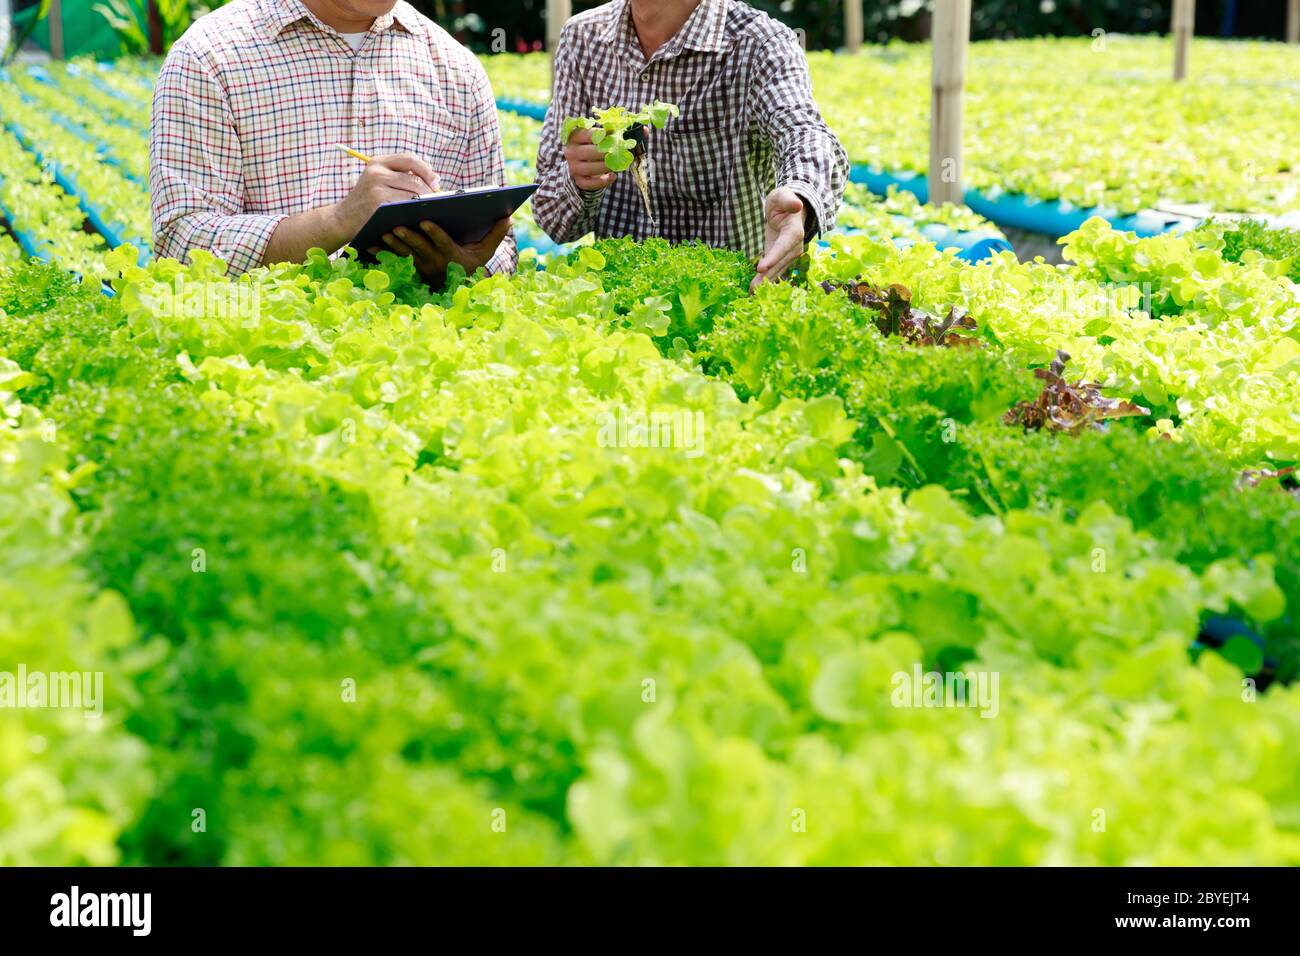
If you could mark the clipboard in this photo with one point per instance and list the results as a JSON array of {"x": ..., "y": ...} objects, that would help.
[{"x": 466, "y": 215}]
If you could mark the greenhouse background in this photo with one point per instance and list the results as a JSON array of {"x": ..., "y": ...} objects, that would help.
[{"x": 82, "y": 29}]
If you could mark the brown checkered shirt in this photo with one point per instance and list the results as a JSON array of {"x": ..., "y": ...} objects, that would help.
[{"x": 749, "y": 124}]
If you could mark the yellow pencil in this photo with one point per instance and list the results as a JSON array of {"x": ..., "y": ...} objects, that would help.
[
  {"x": 367, "y": 160},
  {"x": 354, "y": 154}
]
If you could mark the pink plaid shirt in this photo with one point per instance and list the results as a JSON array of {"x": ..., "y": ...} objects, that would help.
[{"x": 252, "y": 98}]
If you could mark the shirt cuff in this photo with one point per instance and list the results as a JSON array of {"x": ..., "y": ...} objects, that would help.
[
  {"x": 241, "y": 242},
  {"x": 815, "y": 211},
  {"x": 505, "y": 261},
  {"x": 587, "y": 202}
]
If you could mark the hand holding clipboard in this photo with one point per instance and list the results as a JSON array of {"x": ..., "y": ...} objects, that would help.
[{"x": 435, "y": 228}]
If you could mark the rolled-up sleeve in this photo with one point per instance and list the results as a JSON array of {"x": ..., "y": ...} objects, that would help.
[
  {"x": 809, "y": 158},
  {"x": 565, "y": 212},
  {"x": 196, "y": 176}
]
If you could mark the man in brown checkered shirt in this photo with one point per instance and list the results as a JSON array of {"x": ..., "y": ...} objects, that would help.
[{"x": 749, "y": 165}]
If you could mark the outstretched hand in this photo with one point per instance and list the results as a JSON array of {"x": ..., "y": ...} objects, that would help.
[{"x": 784, "y": 228}]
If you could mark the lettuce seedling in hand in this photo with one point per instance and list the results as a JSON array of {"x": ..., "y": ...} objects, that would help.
[{"x": 616, "y": 133}]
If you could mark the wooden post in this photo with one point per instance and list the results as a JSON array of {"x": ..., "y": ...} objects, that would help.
[
  {"x": 853, "y": 26},
  {"x": 55, "y": 17},
  {"x": 1293, "y": 21},
  {"x": 156, "y": 41},
  {"x": 557, "y": 15},
  {"x": 951, "y": 36},
  {"x": 1184, "y": 25}
]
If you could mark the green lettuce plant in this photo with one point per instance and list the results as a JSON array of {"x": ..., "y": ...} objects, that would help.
[
  {"x": 618, "y": 134},
  {"x": 408, "y": 554},
  {"x": 612, "y": 130}
]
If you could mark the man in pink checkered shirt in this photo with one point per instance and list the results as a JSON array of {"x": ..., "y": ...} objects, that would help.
[{"x": 252, "y": 99}]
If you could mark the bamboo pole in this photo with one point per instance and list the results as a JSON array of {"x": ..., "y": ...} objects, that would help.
[
  {"x": 1183, "y": 26},
  {"x": 557, "y": 15},
  {"x": 951, "y": 36},
  {"x": 156, "y": 40},
  {"x": 56, "y": 29},
  {"x": 55, "y": 17},
  {"x": 854, "y": 31},
  {"x": 1293, "y": 21}
]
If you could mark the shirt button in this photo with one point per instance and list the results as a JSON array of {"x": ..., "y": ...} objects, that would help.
[{"x": 645, "y": 76}]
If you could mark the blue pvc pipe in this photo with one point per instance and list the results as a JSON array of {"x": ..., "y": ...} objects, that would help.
[
  {"x": 112, "y": 232},
  {"x": 879, "y": 182},
  {"x": 40, "y": 74},
  {"x": 104, "y": 152},
  {"x": 984, "y": 249},
  {"x": 108, "y": 67},
  {"x": 31, "y": 248},
  {"x": 540, "y": 242},
  {"x": 104, "y": 88},
  {"x": 26, "y": 241},
  {"x": 98, "y": 82},
  {"x": 1057, "y": 218},
  {"x": 1050, "y": 216},
  {"x": 521, "y": 108},
  {"x": 972, "y": 247}
]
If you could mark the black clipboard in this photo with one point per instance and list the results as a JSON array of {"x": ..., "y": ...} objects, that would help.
[{"x": 466, "y": 215}]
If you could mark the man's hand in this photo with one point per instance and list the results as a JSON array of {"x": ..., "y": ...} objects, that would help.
[
  {"x": 784, "y": 230},
  {"x": 433, "y": 250},
  {"x": 587, "y": 163},
  {"x": 388, "y": 179}
]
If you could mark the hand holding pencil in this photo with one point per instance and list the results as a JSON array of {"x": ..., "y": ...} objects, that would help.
[
  {"x": 400, "y": 161},
  {"x": 385, "y": 179}
]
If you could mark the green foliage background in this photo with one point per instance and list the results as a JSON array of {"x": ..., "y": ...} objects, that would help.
[
  {"x": 823, "y": 20},
  {"x": 524, "y": 21}
]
